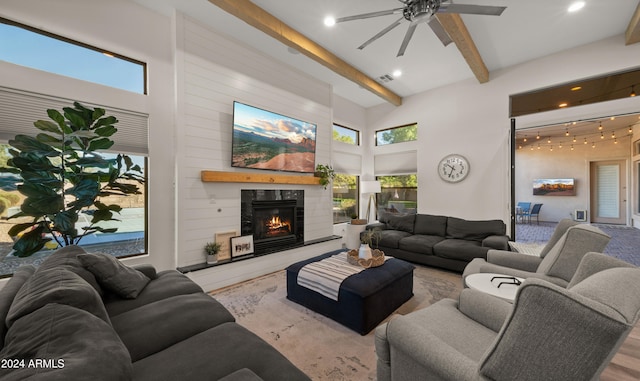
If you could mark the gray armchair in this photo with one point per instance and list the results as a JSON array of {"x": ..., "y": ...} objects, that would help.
[
  {"x": 549, "y": 333},
  {"x": 557, "y": 262}
]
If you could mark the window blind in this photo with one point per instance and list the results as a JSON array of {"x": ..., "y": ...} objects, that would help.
[
  {"x": 348, "y": 163},
  {"x": 20, "y": 109},
  {"x": 396, "y": 163}
]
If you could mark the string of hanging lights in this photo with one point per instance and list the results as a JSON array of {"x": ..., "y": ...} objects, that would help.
[{"x": 576, "y": 133}]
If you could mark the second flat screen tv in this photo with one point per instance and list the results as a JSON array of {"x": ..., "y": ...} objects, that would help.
[{"x": 267, "y": 140}]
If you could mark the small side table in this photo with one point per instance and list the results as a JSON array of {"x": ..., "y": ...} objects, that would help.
[
  {"x": 353, "y": 235},
  {"x": 500, "y": 285}
]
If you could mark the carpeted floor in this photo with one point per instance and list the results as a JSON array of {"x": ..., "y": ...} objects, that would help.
[{"x": 322, "y": 348}]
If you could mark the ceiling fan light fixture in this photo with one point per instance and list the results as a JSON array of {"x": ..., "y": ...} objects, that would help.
[{"x": 329, "y": 21}]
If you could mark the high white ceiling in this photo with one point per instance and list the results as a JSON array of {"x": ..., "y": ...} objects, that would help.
[{"x": 527, "y": 29}]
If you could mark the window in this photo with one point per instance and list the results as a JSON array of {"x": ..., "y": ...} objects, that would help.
[
  {"x": 397, "y": 135},
  {"x": 345, "y": 197},
  {"x": 346, "y": 135},
  {"x": 399, "y": 194},
  {"x": 130, "y": 238},
  {"x": 27, "y": 46}
]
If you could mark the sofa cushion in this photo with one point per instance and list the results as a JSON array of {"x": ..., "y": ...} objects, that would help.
[
  {"x": 391, "y": 238},
  {"x": 418, "y": 243},
  {"x": 67, "y": 257},
  {"x": 113, "y": 275},
  {"x": 474, "y": 230},
  {"x": 167, "y": 283},
  {"x": 402, "y": 222},
  {"x": 8, "y": 293},
  {"x": 76, "y": 345},
  {"x": 56, "y": 285},
  {"x": 428, "y": 224},
  {"x": 138, "y": 328},
  {"x": 460, "y": 249},
  {"x": 219, "y": 351}
]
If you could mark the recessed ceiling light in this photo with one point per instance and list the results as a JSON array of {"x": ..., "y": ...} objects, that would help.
[
  {"x": 397, "y": 73},
  {"x": 563, "y": 105},
  {"x": 576, "y": 88},
  {"x": 576, "y": 6},
  {"x": 329, "y": 21}
]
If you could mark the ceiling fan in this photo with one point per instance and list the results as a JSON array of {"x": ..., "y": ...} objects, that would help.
[{"x": 423, "y": 11}]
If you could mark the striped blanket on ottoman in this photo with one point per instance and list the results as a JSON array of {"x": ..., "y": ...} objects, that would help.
[{"x": 326, "y": 276}]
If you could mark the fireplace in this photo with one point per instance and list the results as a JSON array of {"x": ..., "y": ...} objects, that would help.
[{"x": 275, "y": 218}]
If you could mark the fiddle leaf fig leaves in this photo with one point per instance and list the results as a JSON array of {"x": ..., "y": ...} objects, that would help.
[{"x": 64, "y": 174}]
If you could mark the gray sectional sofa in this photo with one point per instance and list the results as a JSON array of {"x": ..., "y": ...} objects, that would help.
[
  {"x": 86, "y": 316},
  {"x": 440, "y": 241}
]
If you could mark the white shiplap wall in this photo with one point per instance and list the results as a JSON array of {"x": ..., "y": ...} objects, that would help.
[{"x": 212, "y": 71}]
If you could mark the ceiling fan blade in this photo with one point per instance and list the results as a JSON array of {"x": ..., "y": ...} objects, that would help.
[
  {"x": 369, "y": 15},
  {"x": 469, "y": 9},
  {"x": 439, "y": 30},
  {"x": 407, "y": 38},
  {"x": 381, "y": 33}
]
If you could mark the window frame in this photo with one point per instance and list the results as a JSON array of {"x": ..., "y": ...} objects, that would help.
[
  {"x": 357, "y": 143},
  {"x": 393, "y": 128},
  {"x": 85, "y": 46},
  {"x": 357, "y": 196}
]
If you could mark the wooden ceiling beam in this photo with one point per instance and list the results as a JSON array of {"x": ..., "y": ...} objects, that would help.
[
  {"x": 257, "y": 17},
  {"x": 632, "y": 35},
  {"x": 458, "y": 32}
]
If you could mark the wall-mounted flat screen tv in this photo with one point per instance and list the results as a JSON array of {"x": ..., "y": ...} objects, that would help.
[
  {"x": 554, "y": 187},
  {"x": 266, "y": 140}
]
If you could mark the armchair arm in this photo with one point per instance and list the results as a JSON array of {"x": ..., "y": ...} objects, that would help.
[
  {"x": 429, "y": 353},
  {"x": 498, "y": 242},
  {"x": 514, "y": 260},
  {"x": 484, "y": 308}
]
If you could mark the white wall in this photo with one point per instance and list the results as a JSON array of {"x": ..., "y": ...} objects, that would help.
[
  {"x": 472, "y": 119},
  {"x": 563, "y": 163}
]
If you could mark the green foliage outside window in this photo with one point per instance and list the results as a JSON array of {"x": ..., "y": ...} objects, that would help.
[
  {"x": 345, "y": 197},
  {"x": 397, "y": 135}
]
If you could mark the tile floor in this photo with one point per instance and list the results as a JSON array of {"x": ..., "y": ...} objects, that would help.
[{"x": 624, "y": 244}]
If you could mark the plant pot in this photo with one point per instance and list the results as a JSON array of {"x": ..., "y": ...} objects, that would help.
[
  {"x": 364, "y": 252},
  {"x": 212, "y": 259}
]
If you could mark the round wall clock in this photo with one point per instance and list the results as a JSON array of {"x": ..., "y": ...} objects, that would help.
[{"x": 453, "y": 168}]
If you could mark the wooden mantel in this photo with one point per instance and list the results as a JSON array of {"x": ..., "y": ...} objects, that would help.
[{"x": 239, "y": 177}]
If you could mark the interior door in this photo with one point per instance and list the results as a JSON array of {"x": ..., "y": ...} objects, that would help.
[{"x": 608, "y": 192}]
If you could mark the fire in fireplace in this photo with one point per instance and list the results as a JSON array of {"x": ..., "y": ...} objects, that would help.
[{"x": 275, "y": 218}]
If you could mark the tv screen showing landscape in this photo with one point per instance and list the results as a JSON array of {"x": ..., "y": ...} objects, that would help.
[{"x": 267, "y": 140}]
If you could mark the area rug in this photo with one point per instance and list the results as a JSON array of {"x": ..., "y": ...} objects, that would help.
[{"x": 323, "y": 349}]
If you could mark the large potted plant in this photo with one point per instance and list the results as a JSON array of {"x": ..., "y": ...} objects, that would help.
[{"x": 64, "y": 176}]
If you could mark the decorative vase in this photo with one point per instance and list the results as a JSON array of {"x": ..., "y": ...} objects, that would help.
[
  {"x": 364, "y": 252},
  {"x": 212, "y": 259}
]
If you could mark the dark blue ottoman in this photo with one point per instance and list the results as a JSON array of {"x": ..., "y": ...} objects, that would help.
[{"x": 364, "y": 300}]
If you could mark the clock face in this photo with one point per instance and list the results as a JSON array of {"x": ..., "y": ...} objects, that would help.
[{"x": 453, "y": 168}]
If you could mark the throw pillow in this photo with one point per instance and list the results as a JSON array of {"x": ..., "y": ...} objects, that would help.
[
  {"x": 57, "y": 285},
  {"x": 114, "y": 276},
  {"x": 67, "y": 257},
  {"x": 402, "y": 222}
]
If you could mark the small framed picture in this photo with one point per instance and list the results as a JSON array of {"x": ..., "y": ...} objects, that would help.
[
  {"x": 224, "y": 239},
  {"x": 241, "y": 245}
]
